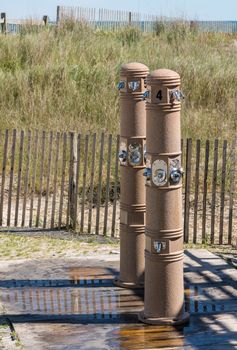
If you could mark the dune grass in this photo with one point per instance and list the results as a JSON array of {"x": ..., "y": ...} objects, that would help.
[{"x": 65, "y": 78}]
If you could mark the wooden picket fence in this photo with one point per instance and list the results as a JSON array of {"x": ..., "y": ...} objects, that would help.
[
  {"x": 65, "y": 180},
  {"x": 116, "y": 19},
  {"x": 59, "y": 180},
  {"x": 107, "y": 19},
  {"x": 209, "y": 191},
  {"x": 100, "y": 18}
]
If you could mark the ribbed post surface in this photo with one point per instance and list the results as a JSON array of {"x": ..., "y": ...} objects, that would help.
[
  {"x": 132, "y": 196},
  {"x": 164, "y": 286}
]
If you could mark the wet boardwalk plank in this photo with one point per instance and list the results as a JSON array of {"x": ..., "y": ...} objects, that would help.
[{"x": 76, "y": 306}]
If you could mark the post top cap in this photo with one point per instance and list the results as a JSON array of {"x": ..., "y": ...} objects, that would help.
[
  {"x": 134, "y": 69},
  {"x": 164, "y": 75}
]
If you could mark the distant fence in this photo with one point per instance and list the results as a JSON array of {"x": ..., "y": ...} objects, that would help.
[
  {"x": 216, "y": 26},
  {"x": 107, "y": 19},
  {"x": 14, "y": 26},
  {"x": 113, "y": 20},
  {"x": 71, "y": 181}
]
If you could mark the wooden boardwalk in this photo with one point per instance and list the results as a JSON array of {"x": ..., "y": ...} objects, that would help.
[{"x": 72, "y": 304}]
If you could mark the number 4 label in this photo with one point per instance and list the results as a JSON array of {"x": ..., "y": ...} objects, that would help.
[{"x": 159, "y": 95}]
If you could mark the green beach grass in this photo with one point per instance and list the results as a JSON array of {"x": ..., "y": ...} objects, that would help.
[{"x": 65, "y": 78}]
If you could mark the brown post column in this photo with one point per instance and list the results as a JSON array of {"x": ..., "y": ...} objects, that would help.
[
  {"x": 132, "y": 196},
  {"x": 164, "y": 286}
]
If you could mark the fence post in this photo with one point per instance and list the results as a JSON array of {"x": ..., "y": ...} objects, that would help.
[
  {"x": 187, "y": 190},
  {"x": 130, "y": 18},
  {"x": 58, "y": 15},
  {"x": 4, "y": 22},
  {"x": 232, "y": 189},
  {"x": 72, "y": 181},
  {"x": 46, "y": 20}
]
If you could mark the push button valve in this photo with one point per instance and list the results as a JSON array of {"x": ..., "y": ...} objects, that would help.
[
  {"x": 176, "y": 175},
  {"x": 147, "y": 173},
  {"x": 122, "y": 156}
]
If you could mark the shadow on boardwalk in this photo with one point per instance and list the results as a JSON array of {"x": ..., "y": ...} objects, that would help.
[{"x": 73, "y": 304}]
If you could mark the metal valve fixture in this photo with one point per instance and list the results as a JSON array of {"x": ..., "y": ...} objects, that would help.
[
  {"x": 134, "y": 85},
  {"x": 159, "y": 246},
  {"x": 160, "y": 176},
  {"x": 135, "y": 154},
  {"x": 121, "y": 85},
  {"x": 146, "y": 94},
  {"x": 176, "y": 175},
  {"x": 176, "y": 171},
  {"x": 131, "y": 153},
  {"x": 147, "y": 173},
  {"x": 176, "y": 95},
  {"x": 123, "y": 156},
  {"x": 144, "y": 153}
]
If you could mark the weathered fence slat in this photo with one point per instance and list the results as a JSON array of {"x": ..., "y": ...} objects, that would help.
[
  {"x": 204, "y": 203},
  {"x": 107, "y": 185},
  {"x": 68, "y": 211},
  {"x": 214, "y": 184},
  {"x": 4, "y": 163},
  {"x": 91, "y": 194},
  {"x": 55, "y": 180},
  {"x": 83, "y": 198},
  {"x": 232, "y": 189},
  {"x": 64, "y": 159},
  {"x": 97, "y": 228},
  {"x": 187, "y": 190},
  {"x": 48, "y": 179},
  {"x": 182, "y": 151},
  {"x": 11, "y": 177},
  {"x": 71, "y": 184},
  {"x": 26, "y": 180},
  {"x": 73, "y": 208},
  {"x": 77, "y": 170},
  {"x": 116, "y": 181},
  {"x": 19, "y": 177},
  {"x": 198, "y": 148},
  {"x": 35, "y": 157},
  {"x": 41, "y": 178},
  {"x": 223, "y": 180}
]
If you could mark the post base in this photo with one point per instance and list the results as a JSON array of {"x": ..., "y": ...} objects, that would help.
[
  {"x": 128, "y": 285},
  {"x": 164, "y": 321}
]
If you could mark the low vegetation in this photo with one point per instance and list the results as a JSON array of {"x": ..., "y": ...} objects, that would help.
[
  {"x": 65, "y": 78},
  {"x": 46, "y": 245},
  {"x": 53, "y": 245}
]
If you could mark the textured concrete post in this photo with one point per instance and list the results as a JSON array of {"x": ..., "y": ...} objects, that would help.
[
  {"x": 164, "y": 286},
  {"x": 132, "y": 197}
]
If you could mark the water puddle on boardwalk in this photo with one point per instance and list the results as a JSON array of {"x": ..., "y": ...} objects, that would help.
[
  {"x": 90, "y": 293},
  {"x": 89, "y": 298}
]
